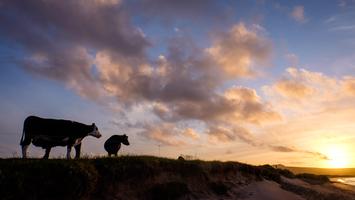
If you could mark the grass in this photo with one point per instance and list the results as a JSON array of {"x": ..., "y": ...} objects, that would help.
[
  {"x": 168, "y": 190},
  {"x": 144, "y": 177},
  {"x": 313, "y": 179}
]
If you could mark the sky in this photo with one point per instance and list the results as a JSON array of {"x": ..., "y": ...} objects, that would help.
[{"x": 260, "y": 82}]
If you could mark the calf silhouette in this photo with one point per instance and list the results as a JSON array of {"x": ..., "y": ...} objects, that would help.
[{"x": 113, "y": 144}]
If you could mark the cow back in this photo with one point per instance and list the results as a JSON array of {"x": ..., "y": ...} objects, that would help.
[{"x": 55, "y": 127}]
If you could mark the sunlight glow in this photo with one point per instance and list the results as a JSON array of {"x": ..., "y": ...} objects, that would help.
[{"x": 338, "y": 157}]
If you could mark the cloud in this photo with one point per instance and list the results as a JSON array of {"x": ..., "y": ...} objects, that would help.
[
  {"x": 228, "y": 134},
  {"x": 169, "y": 134},
  {"x": 302, "y": 90},
  {"x": 239, "y": 50},
  {"x": 166, "y": 84},
  {"x": 348, "y": 85},
  {"x": 163, "y": 134},
  {"x": 108, "y": 27},
  {"x": 298, "y": 14},
  {"x": 105, "y": 55},
  {"x": 223, "y": 134},
  {"x": 191, "y": 133},
  {"x": 287, "y": 149},
  {"x": 316, "y": 108},
  {"x": 311, "y": 89},
  {"x": 57, "y": 38},
  {"x": 293, "y": 89}
]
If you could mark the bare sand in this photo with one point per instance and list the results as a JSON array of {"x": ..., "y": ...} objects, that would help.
[
  {"x": 268, "y": 190},
  {"x": 293, "y": 189}
]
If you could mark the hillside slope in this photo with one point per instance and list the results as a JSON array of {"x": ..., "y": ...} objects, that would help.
[{"x": 146, "y": 177}]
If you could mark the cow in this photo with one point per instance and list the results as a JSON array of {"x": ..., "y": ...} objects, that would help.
[
  {"x": 113, "y": 144},
  {"x": 48, "y": 133}
]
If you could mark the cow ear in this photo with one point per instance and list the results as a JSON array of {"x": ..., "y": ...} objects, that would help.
[{"x": 93, "y": 124}]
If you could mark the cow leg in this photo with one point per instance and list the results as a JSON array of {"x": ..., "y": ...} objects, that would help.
[
  {"x": 115, "y": 154},
  {"x": 69, "y": 151},
  {"x": 24, "y": 151},
  {"x": 46, "y": 155},
  {"x": 77, "y": 150}
]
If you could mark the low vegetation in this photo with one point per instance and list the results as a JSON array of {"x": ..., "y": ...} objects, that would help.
[
  {"x": 313, "y": 179},
  {"x": 137, "y": 177}
]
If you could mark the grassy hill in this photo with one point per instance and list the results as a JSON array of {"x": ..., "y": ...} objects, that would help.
[{"x": 134, "y": 177}]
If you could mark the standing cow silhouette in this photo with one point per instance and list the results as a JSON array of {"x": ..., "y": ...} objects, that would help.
[
  {"x": 113, "y": 144},
  {"x": 48, "y": 133}
]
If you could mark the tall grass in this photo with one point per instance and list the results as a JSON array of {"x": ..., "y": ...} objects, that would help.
[{"x": 146, "y": 177}]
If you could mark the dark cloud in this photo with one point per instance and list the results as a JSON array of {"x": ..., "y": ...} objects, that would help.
[
  {"x": 59, "y": 38},
  {"x": 78, "y": 22},
  {"x": 286, "y": 149},
  {"x": 282, "y": 148}
]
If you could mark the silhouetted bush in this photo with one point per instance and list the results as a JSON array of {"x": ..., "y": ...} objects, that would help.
[
  {"x": 270, "y": 173},
  {"x": 101, "y": 177},
  {"x": 218, "y": 188},
  {"x": 45, "y": 179},
  {"x": 286, "y": 173},
  {"x": 313, "y": 179}
]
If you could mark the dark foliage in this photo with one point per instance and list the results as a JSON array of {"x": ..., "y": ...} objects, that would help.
[
  {"x": 145, "y": 176},
  {"x": 313, "y": 179},
  {"x": 52, "y": 179},
  {"x": 219, "y": 188},
  {"x": 169, "y": 190}
]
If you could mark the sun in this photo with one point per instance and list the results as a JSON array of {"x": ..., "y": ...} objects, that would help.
[{"x": 338, "y": 157}]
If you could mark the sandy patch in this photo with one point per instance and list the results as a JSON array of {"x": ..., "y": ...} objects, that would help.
[{"x": 268, "y": 190}]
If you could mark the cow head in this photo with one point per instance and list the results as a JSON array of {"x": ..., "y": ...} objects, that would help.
[
  {"x": 95, "y": 131},
  {"x": 125, "y": 139}
]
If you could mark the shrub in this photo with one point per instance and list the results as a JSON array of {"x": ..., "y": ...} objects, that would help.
[
  {"x": 218, "y": 188},
  {"x": 313, "y": 179},
  {"x": 169, "y": 191},
  {"x": 45, "y": 179}
]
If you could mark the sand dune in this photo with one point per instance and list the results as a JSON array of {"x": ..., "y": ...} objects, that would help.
[{"x": 269, "y": 190}]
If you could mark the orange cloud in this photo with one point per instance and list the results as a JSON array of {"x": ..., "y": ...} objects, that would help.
[
  {"x": 238, "y": 50},
  {"x": 164, "y": 133},
  {"x": 191, "y": 133},
  {"x": 293, "y": 89}
]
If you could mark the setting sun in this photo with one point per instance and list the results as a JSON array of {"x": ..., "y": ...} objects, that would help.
[{"x": 338, "y": 157}]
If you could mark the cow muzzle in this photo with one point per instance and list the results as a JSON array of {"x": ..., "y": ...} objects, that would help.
[
  {"x": 95, "y": 134},
  {"x": 98, "y": 134}
]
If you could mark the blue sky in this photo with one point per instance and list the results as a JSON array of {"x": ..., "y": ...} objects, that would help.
[{"x": 205, "y": 78}]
